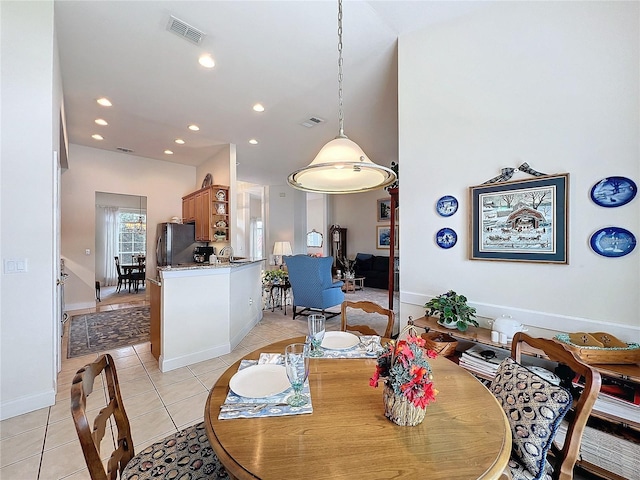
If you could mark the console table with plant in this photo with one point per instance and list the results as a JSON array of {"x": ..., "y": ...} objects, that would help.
[{"x": 456, "y": 319}]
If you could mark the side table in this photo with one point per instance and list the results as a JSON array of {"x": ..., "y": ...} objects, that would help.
[
  {"x": 279, "y": 290},
  {"x": 353, "y": 284}
]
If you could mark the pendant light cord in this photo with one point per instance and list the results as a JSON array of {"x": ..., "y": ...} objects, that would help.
[{"x": 340, "y": 74}]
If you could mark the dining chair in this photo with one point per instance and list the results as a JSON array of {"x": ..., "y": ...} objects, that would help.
[
  {"x": 536, "y": 407},
  {"x": 367, "y": 307},
  {"x": 186, "y": 454},
  {"x": 138, "y": 277},
  {"x": 123, "y": 278}
]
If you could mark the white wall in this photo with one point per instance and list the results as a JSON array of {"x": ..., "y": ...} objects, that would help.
[
  {"x": 92, "y": 170},
  {"x": 30, "y": 134},
  {"x": 554, "y": 84},
  {"x": 358, "y": 214}
]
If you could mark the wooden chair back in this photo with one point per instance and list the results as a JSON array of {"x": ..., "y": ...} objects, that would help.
[
  {"x": 112, "y": 416},
  {"x": 368, "y": 307},
  {"x": 117, "y": 259},
  {"x": 564, "y": 460}
]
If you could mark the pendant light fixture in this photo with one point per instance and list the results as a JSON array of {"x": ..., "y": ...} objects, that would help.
[{"x": 341, "y": 166}]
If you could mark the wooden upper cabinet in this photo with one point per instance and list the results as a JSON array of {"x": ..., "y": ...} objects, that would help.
[
  {"x": 189, "y": 208},
  {"x": 208, "y": 208}
]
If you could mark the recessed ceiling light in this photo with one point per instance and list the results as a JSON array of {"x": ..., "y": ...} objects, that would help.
[
  {"x": 168, "y": 152},
  {"x": 258, "y": 107},
  {"x": 194, "y": 127},
  {"x": 206, "y": 61},
  {"x": 179, "y": 141},
  {"x": 253, "y": 141},
  {"x": 97, "y": 137},
  {"x": 101, "y": 121},
  {"x": 104, "y": 102}
]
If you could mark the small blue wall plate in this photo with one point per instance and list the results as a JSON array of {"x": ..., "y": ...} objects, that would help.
[{"x": 613, "y": 242}]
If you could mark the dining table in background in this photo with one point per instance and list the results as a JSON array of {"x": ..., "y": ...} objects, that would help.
[
  {"x": 129, "y": 269},
  {"x": 465, "y": 434}
]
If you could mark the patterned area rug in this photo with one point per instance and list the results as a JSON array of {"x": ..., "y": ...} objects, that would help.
[{"x": 102, "y": 331}]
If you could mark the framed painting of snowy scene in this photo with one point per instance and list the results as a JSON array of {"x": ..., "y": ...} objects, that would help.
[{"x": 520, "y": 221}]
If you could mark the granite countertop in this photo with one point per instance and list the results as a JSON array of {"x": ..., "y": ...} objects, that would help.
[{"x": 207, "y": 265}]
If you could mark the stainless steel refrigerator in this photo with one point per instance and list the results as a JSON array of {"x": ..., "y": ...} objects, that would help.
[{"x": 175, "y": 244}]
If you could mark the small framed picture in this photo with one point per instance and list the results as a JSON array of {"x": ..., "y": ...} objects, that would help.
[
  {"x": 384, "y": 209},
  {"x": 383, "y": 236}
]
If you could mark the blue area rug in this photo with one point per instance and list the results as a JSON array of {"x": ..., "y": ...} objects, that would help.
[{"x": 103, "y": 331}]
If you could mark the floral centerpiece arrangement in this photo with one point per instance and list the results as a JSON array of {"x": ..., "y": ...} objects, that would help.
[{"x": 404, "y": 367}]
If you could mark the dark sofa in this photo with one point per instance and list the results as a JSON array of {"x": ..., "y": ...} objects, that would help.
[{"x": 374, "y": 268}]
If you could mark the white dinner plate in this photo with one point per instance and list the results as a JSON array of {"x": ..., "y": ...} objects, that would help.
[
  {"x": 259, "y": 381},
  {"x": 339, "y": 341}
]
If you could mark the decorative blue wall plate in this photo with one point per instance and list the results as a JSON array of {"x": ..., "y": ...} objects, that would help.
[
  {"x": 613, "y": 192},
  {"x": 613, "y": 242},
  {"x": 446, "y": 238},
  {"x": 447, "y": 206}
]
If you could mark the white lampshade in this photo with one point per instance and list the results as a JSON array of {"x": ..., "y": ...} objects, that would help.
[
  {"x": 341, "y": 166},
  {"x": 282, "y": 248}
]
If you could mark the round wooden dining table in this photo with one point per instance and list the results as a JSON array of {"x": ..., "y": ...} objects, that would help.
[{"x": 465, "y": 434}]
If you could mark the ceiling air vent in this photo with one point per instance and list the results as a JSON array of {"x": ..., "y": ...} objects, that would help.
[
  {"x": 185, "y": 30},
  {"x": 311, "y": 122},
  {"x": 124, "y": 150}
]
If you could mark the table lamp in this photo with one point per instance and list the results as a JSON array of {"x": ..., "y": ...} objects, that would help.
[{"x": 279, "y": 250}]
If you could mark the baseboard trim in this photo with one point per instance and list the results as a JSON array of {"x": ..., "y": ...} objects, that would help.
[
  {"x": 26, "y": 404},
  {"x": 168, "y": 364}
]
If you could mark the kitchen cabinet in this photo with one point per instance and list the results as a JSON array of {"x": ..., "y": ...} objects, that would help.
[
  {"x": 208, "y": 208},
  {"x": 605, "y": 431},
  {"x": 155, "y": 301},
  {"x": 189, "y": 209}
]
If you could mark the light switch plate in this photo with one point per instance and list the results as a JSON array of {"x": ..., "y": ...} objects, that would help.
[{"x": 15, "y": 265}]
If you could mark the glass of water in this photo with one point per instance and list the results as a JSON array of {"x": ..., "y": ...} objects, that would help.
[
  {"x": 296, "y": 361},
  {"x": 316, "y": 334}
]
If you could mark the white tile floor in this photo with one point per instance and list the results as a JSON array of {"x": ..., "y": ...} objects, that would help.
[{"x": 43, "y": 445}]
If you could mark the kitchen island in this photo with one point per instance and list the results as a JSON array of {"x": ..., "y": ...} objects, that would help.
[{"x": 202, "y": 311}]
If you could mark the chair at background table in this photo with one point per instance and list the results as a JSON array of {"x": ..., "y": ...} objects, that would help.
[
  {"x": 123, "y": 278},
  {"x": 372, "y": 309},
  {"x": 535, "y": 407},
  {"x": 181, "y": 455},
  {"x": 138, "y": 277},
  {"x": 312, "y": 286}
]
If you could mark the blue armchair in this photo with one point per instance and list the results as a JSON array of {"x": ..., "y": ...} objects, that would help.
[{"x": 312, "y": 286}]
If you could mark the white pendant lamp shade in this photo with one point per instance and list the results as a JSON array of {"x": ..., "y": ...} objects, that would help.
[{"x": 341, "y": 167}]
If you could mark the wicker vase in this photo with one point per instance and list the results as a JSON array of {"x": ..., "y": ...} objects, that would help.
[{"x": 400, "y": 410}]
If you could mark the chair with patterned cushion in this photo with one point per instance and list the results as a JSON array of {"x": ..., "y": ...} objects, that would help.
[
  {"x": 376, "y": 313},
  {"x": 312, "y": 286},
  {"x": 535, "y": 408},
  {"x": 186, "y": 454}
]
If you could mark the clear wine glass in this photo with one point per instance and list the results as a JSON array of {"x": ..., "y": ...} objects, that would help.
[
  {"x": 296, "y": 361},
  {"x": 316, "y": 334}
]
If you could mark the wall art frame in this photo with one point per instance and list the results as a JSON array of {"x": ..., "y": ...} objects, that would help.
[
  {"x": 520, "y": 221},
  {"x": 383, "y": 237},
  {"x": 384, "y": 209}
]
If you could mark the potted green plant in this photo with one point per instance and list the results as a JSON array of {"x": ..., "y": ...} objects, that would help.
[
  {"x": 453, "y": 310},
  {"x": 220, "y": 235},
  {"x": 274, "y": 277}
]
